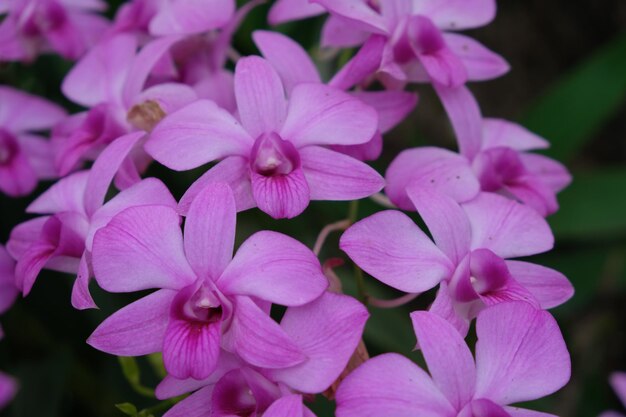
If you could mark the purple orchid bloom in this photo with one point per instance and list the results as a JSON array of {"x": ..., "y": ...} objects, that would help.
[
  {"x": 208, "y": 299},
  {"x": 117, "y": 97},
  {"x": 273, "y": 159},
  {"x": 502, "y": 165},
  {"x": 326, "y": 330},
  {"x": 67, "y": 27},
  {"x": 294, "y": 66},
  {"x": 24, "y": 156},
  {"x": 618, "y": 382},
  {"x": 62, "y": 240},
  {"x": 469, "y": 257},
  {"x": 520, "y": 356}
]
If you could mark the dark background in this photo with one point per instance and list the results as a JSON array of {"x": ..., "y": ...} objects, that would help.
[{"x": 568, "y": 83}]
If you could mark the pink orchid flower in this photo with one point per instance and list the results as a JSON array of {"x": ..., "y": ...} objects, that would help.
[
  {"x": 112, "y": 92},
  {"x": 67, "y": 27},
  {"x": 501, "y": 165},
  {"x": 618, "y": 382},
  {"x": 273, "y": 159},
  {"x": 326, "y": 330},
  {"x": 294, "y": 66},
  {"x": 24, "y": 156},
  {"x": 468, "y": 258},
  {"x": 74, "y": 210},
  {"x": 207, "y": 297},
  {"x": 520, "y": 356}
]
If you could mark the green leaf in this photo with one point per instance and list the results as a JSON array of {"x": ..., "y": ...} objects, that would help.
[
  {"x": 130, "y": 368},
  {"x": 579, "y": 104},
  {"x": 593, "y": 207},
  {"x": 128, "y": 409}
]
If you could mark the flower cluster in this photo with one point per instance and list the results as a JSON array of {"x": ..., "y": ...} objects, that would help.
[{"x": 162, "y": 82}]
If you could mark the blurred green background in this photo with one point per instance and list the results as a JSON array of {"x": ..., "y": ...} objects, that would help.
[{"x": 568, "y": 83}]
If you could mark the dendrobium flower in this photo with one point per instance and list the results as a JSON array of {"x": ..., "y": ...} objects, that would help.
[
  {"x": 294, "y": 66},
  {"x": 76, "y": 209},
  {"x": 24, "y": 156},
  {"x": 67, "y": 27},
  {"x": 502, "y": 165},
  {"x": 326, "y": 330},
  {"x": 275, "y": 158},
  {"x": 468, "y": 258},
  {"x": 520, "y": 356},
  {"x": 618, "y": 382},
  {"x": 207, "y": 300}
]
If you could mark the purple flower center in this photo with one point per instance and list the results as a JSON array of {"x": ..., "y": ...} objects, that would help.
[
  {"x": 497, "y": 167},
  {"x": 418, "y": 36},
  {"x": 197, "y": 304},
  {"x": 272, "y": 155},
  {"x": 8, "y": 147},
  {"x": 41, "y": 17},
  {"x": 480, "y": 273}
]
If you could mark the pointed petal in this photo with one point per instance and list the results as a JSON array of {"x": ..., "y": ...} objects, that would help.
[
  {"x": 443, "y": 306},
  {"x": 210, "y": 230},
  {"x": 196, "y": 134},
  {"x": 390, "y": 385},
  {"x": 465, "y": 117},
  {"x": 368, "y": 151},
  {"x": 549, "y": 287},
  {"x": 506, "y": 227},
  {"x": 25, "y": 234},
  {"x": 260, "y": 96},
  {"x": 549, "y": 171},
  {"x": 391, "y": 248},
  {"x": 449, "y": 360},
  {"x": 41, "y": 114},
  {"x": 358, "y": 12},
  {"x": 364, "y": 64},
  {"x": 286, "y": 10},
  {"x": 480, "y": 63},
  {"x": 287, "y": 406},
  {"x": 141, "y": 248},
  {"x": 137, "y": 329},
  {"x": 147, "y": 192},
  {"x": 322, "y": 115},
  {"x": 99, "y": 76},
  {"x": 258, "y": 339},
  {"x": 190, "y": 349},
  {"x": 445, "y": 219},
  {"x": 105, "y": 168},
  {"x": 274, "y": 267},
  {"x": 392, "y": 106},
  {"x": 196, "y": 405},
  {"x": 185, "y": 17},
  {"x": 483, "y": 408},
  {"x": 500, "y": 132},
  {"x": 327, "y": 331},
  {"x": 290, "y": 60},
  {"x": 618, "y": 382},
  {"x": 520, "y": 354},
  {"x": 67, "y": 194},
  {"x": 281, "y": 196},
  {"x": 234, "y": 171},
  {"x": 448, "y": 172},
  {"x": 335, "y": 176},
  {"x": 81, "y": 298},
  {"x": 343, "y": 33},
  {"x": 457, "y": 14}
]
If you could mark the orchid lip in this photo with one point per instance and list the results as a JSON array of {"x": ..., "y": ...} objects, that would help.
[
  {"x": 198, "y": 303},
  {"x": 272, "y": 155}
]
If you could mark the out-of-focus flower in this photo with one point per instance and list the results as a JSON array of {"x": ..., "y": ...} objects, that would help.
[
  {"x": 273, "y": 159},
  {"x": 520, "y": 356},
  {"x": 8, "y": 388},
  {"x": 502, "y": 165},
  {"x": 74, "y": 210},
  {"x": 618, "y": 382},
  {"x": 207, "y": 297},
  {"x": 67, "y": 27},
  {"x": 25, "y": 157},
  {"x": 468, "y": 258}
]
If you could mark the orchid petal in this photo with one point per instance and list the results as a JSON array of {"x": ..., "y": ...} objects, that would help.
[
  {"x": 322, "y": 115},
  {"x": 137, "y": 329},
  {"x": 286, "y": 10},
  {"x": 281, "y": 196},
  {"x": 67, "y": 194},
  {"x": 549, "y": 287},
  {"x": 465, "y": 117},
  {"x": 41, "y": 114},
  {"x": 210, "y": 230},
  {"x": 196, "y": 134},
  {"x": 141, "y": 248},
  {"x": 500, "y": 132},
  {"x": 457, "y": 14},
  {"x": 391, "y": 248},
  {"x": 358, "y": 12},
  {"x": 191, "y": 16},
  {"x": 81, "y": 298},
  {"x": 335, "y": 176},
  {"x": 506, "y": 227},
  {"x": 363, "y": 65},
  {"x": 520, "y": 354},
  {"x": 392, "y": 106},
  {"x": 549, "y": 171},
  {"x": 480, "y": 63},
  {"x": 274, "y": 267},
  {"x": 287, "y": 406}
]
